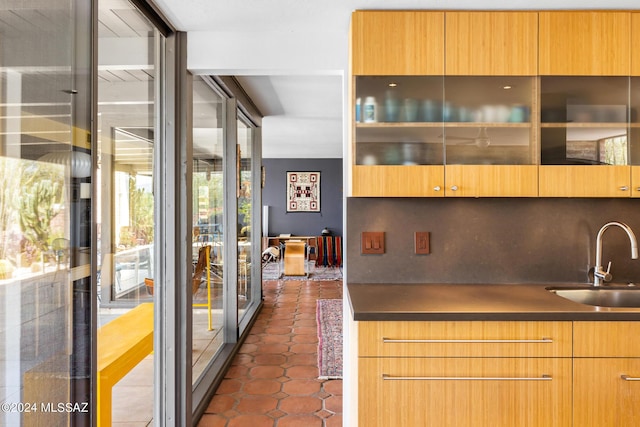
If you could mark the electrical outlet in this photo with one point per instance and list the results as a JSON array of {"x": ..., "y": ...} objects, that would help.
[
  {"x": 422, "y": 243},
  {"x": 372, "y": 242}
]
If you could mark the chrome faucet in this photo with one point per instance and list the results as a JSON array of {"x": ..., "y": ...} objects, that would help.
[{"x": 599, "y": 275}]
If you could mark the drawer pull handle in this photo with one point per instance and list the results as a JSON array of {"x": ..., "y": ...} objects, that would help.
[
  {"x": 628, "y": 378},
  {"x": 396, "y": 341},
  {"x": 387, "y": 377}
]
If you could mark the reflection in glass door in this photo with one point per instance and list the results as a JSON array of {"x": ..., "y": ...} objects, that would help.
[
  {"x": 45, "y": 213},
  {"x": 128, "y": 122},
  {"x": 208, "y": 232}
]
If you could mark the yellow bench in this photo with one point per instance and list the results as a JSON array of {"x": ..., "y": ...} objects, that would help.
[{"x": 122, "y": 344}]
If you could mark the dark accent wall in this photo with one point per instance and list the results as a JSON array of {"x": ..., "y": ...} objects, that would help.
[
  {"x": 274, "y": 194},
  {"x": 491, "y": 240}
]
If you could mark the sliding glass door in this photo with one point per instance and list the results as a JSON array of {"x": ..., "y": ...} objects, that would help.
[
  {"x": 129, "y": 124},
  {"x": 45, "y": 211},
  {"x": 208, "y": 232},
  {"x": 223, "y": 223}
]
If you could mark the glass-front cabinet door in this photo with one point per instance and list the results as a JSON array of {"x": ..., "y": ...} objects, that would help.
[
  {"x": 398, "y": 136},
  {"x": 584, "y": 136},
  {"x": 445, "y": 136}
]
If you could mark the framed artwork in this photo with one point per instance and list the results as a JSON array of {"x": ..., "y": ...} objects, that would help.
[{"x": 303, "y": 191}]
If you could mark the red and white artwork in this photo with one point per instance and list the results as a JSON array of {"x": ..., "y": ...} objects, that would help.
[{"x": 303, "y": 191}]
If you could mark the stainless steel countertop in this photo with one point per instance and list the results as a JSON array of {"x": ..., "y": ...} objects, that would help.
[{"x": 378, "y": 301}]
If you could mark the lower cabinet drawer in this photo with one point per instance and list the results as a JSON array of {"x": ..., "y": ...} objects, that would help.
[
  {"x": 460, "y": 392},
  {"x": 464, "y": 339},
  {"x": 606, "y": 392}
]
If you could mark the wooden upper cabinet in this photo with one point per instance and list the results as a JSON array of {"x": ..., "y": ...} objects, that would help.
[
  {"x": 585, "y": 43},
  {"x": 635, "y": 181},
  {"x": 491, "y": 181},
  {"x": 584, "y": 181},
  {"x": 635, "y": 42},
  {"x": 491, "y": 43},
  {"x": 395, "y": 43},
  {"x": 397, "y": 181}
]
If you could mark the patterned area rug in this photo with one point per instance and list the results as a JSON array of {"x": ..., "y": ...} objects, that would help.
[
  {"x": 329, "y": 318},
  {"x": 270, "y": 272}
]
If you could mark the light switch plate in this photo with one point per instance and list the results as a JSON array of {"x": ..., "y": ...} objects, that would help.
[
  {"x": 422, "y": 243},
  {"x": 372, "y": 242}
]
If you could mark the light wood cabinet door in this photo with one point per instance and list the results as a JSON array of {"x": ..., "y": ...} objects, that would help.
[
  {"x": 635, "y": 181},
  {"x": 491, "y": 43},
  {"x": 606, "y": 392},
  {"x": 491, "y": 181},
  {"x": 397, "y": 43},
  {"x": 584, "y": 181},
  {"x": 606, "y": 339},
  {"x": 464, "y": 392},
  {"x": 635, "y": 41},
  {"x": 464, "y": 339},
  {"x": 397, "y": 181},
  {"x": 584, "y": 43}
]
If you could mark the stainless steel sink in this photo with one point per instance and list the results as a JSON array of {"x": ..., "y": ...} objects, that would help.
[{"x": 602, "y": 296}]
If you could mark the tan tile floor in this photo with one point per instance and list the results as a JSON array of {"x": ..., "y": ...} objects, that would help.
[{"x": 273, "y": 380}]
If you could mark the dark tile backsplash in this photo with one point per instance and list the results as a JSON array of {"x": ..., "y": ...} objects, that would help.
[{"x": 491, "y": 240}]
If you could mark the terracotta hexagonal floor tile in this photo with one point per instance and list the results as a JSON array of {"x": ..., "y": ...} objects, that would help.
[
  {"x": 299, "y": 421},
  {"x": 256, "y": 404},
  {"x": 262, "y": 387},
  {"x": 270, "y": 359},
  {"x": 300, "y": 405},
  {"x": 306, "y": 322},
  {"x": 272, "y": 348},
  {"x": 277, "y": 331},
  {"x": 335, "y": 421},
  {"x": 237, "y": 371},
  {"x": 305, "y": 338},
  {"x": 209, "y": 420},
  {"x": 301, "y": 387},
  {"x": 242, "y": 359},
  {"x": 268, "y": 371},
  {"x": 333, "y": 404},
  {"x": 229, "y": 386},
  {"x": 309, "y": 359},
  {"x": 275, "y": 339},
  {"x": 305, "y": 330},
  {"x": 302, "y": 372},
  {"x": 248, "y": 349},
  {"x": 251, "y": 421},
  {"x": 304, "y": 348},
  {"x": 220, "y": 403},
  {"x": 333, "y": 386}
]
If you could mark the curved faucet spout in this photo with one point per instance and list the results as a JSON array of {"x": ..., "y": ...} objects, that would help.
[{"x": 599, "y": 274}]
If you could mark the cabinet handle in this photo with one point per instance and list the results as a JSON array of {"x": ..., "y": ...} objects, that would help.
[
  {"x": 624, "y": 188},
  {"x": 436, "y": 188},
  {"x": 395, "y": 341},
  {"x": 638, "y": 189},
  {"x": 628, "y": 378},
  {"x": 454, "y": 188},
  {"x": 387, "y": 377}
]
